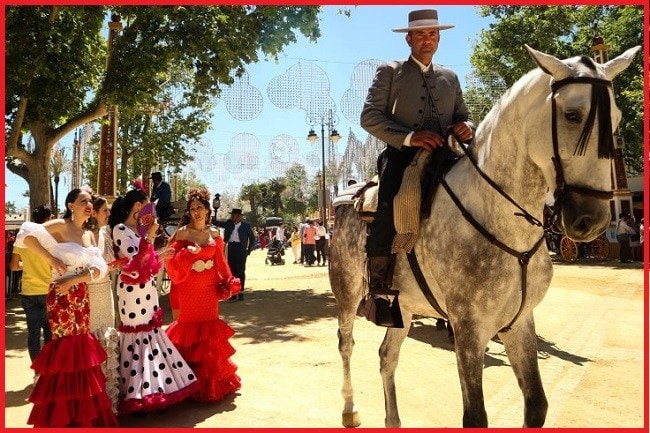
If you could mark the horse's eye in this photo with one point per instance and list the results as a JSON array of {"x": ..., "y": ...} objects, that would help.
[{"x": 573, "y": 116}]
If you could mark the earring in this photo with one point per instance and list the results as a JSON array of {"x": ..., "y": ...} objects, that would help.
[{"x": 71, "y": 215}]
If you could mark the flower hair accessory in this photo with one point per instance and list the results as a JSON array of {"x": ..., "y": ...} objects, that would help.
[
  {"x": 137, "y": 184},
  {"x": 87, "y": 188},
  {"x": 200, "y": 194}
]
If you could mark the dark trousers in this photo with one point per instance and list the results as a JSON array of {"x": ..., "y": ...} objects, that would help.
[
  {"x": 310, "y": 258},
  {"x": 237, "y": 256},
  {"x": 302, "y": 252},
  {"x": 381, "y": 230},
  {"x": 321, "y": 253},
  {"x": 624, "y": 243},
  {"x": 36, "y": 316}
]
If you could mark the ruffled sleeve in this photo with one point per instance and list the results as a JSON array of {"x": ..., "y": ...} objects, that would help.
[
  {"x": 228, "y": 284},
  {"x": 144, "y": 263},
  {"x": 39, "y": 232},
  {"x": 179, "y": 266}
]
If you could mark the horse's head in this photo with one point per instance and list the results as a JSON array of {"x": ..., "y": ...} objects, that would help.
[{"x": 581, "y": 116}]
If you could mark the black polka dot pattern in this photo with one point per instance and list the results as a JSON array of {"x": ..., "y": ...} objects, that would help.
[{"x": 149, "y": 362}]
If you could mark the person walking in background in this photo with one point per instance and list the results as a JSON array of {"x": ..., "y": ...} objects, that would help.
[
  {"x": 71, "y": 390},
  {"x": 241, "y": 241},
  {"x": 309, "y": 243},
  {"x": 102, "y": 301},
  {"x": 411, "y": 105},
  {"x": 641, "y": 238},
  {"x": 161, "y": 194},
  {"x": 635, "y": 240},
  {"x": 301, "y": 232},
  {"x": 321, "y": 243},
  {"x": 623, "y": 231},
  {"x": 36, "y": 278},
  {"x": 295, "y": 245},
  {"x": 202, "y": 278},
  {"x": 153, "y": 374}
]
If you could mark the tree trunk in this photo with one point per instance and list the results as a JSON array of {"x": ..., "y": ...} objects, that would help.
[{"x": 38, "y": 179}]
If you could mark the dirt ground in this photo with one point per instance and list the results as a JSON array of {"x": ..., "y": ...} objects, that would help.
[{"x": 591, "y": 327}]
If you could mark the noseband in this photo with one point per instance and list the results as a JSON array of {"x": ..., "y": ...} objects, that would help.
[{"x": 600, "y": 101}]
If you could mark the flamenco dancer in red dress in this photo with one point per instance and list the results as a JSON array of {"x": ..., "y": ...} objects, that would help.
[
  {"x": 71, "y": 388},
  {"x": 202, "y": 278}
]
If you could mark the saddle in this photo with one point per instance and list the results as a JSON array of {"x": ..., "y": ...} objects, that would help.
[
  {"x": 414, "y": 199},
  {"x": 362, "y": 196}
]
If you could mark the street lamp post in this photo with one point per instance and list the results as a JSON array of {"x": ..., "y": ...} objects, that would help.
[{"x": 334, "y": 137}]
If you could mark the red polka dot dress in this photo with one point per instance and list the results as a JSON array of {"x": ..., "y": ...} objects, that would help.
[
  {"x": 153, "y": 374},
  {"x": 201, "y": 280}
]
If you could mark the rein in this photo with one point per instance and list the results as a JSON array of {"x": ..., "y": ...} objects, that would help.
[{"x": 561, "y": 189}]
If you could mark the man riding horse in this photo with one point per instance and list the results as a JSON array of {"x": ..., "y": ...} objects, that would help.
[{"x": 411, "y": 104}]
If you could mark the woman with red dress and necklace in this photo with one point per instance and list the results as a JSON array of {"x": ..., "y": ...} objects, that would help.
[
  {"x": 71, "y": 389},
  {"x": 202, "y": 277}
]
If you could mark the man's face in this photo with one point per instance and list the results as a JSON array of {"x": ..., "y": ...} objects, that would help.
[{"x": 423, "y": 43}]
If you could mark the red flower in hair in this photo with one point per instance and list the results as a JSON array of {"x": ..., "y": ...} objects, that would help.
[{"x": 137, "y": 184}]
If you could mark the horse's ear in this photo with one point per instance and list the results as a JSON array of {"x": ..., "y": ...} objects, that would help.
[
  {"x": 549, "y": 64},
  {"x": 617, "y": 65}
]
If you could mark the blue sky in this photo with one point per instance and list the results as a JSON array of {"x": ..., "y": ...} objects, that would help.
[{"x": 345, "y": 43}]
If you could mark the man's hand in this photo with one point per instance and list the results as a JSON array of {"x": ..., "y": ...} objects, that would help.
[
  {"x": 462, "y": 131},
  {"x": 427, "y": 140}
]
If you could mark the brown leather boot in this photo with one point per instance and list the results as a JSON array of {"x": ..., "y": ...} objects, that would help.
[{"x": 382, "y": 305}]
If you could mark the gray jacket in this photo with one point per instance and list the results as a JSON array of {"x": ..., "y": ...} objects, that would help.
[{"x": 396, "y": 101}]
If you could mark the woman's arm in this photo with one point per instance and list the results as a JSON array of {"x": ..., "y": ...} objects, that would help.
[{"x": 57, "y": 264}]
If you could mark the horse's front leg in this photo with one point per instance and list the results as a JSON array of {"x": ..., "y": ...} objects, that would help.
[
  {"x": 470, "y": 356},
  {"x": 521, "y": 346},
  {"x": 388, "y": 359}
]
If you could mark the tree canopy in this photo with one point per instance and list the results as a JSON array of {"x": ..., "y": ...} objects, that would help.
[
  {"x": 567, "y": 31},
  {"x": 59, "y": 75}
]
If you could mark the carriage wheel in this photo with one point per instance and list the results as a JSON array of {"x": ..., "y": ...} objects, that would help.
[
  {"x": 568, "y": 249},
  {"x": 600, "y": 248}
]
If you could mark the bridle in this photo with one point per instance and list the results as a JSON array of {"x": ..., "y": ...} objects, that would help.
[
  {"x": 562, "y": 188},
  {"x": 600, "y": 100}
]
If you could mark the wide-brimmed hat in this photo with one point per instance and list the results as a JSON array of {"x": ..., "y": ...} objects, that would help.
[
  {"x": 424, "y": 19},
  {"x": 156, "y": 175},
  {"x": 236, "y": 211}
]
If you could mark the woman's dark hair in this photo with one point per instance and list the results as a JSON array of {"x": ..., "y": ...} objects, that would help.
[
  {"x": 70, "y": 198},
  {"x": 40, "y": 214},
  {"x": 98, "y": 202},
  {"x": 123, "y": 205}
]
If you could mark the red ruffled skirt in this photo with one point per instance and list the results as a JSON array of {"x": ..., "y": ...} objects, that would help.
[
  {"x": 206, "y": 348},
  {"x": 71, "y": 390}
]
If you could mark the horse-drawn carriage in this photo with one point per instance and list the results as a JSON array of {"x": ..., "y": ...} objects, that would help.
[{"x": 571, "y": 250}]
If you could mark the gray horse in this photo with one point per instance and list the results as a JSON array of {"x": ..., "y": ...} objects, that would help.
[{"x": 486, "y": 266}]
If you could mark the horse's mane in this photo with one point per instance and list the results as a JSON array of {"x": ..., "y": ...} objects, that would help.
[{"x": 600, "y": 101}]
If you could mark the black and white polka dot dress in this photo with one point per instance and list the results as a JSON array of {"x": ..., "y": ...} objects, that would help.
[{"x": 153, "y": 374}]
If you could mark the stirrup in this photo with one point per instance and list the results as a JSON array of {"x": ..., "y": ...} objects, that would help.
[{"x": 382, "y": 311}]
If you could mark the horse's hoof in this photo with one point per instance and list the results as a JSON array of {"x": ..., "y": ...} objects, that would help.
[{"x": 351, "y": 419}]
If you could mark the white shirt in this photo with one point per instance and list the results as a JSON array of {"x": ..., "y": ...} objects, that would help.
[
  {"x": 234, "y": 236},
  {"x": 320, "y": 232}
]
